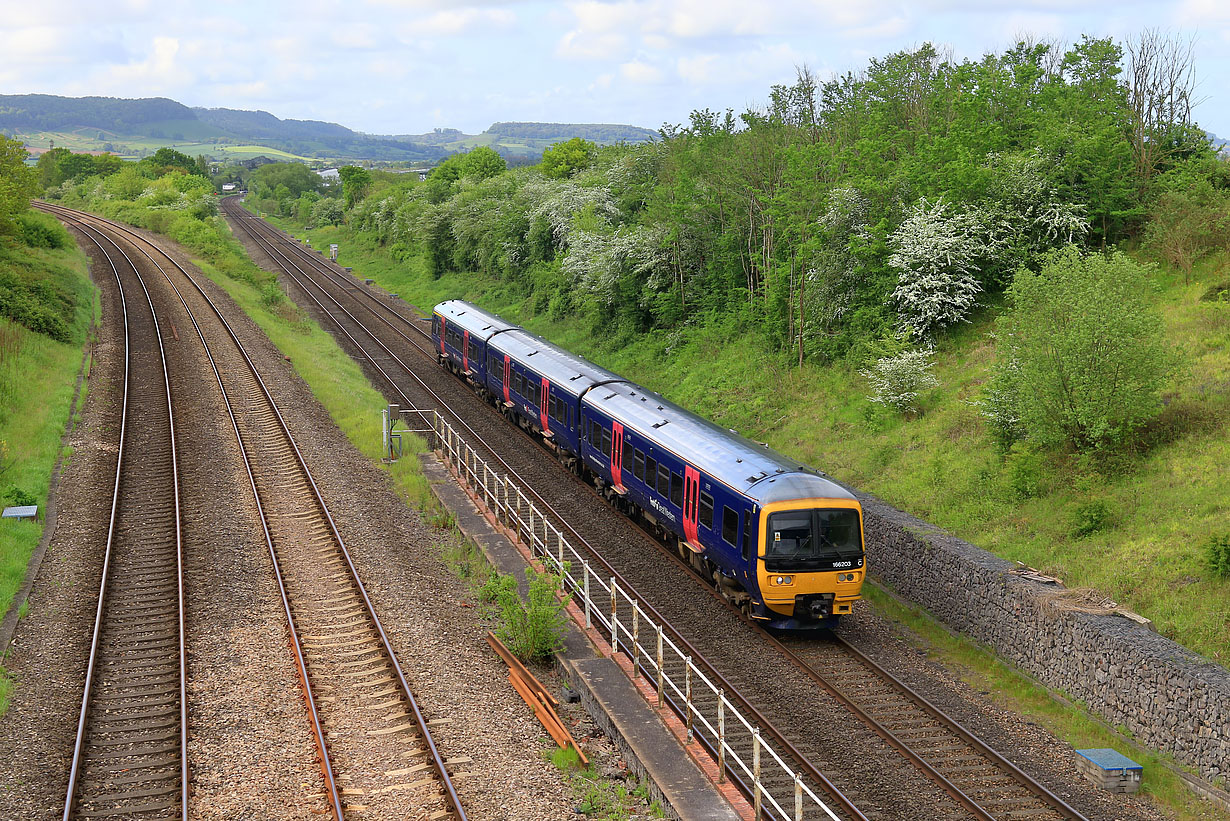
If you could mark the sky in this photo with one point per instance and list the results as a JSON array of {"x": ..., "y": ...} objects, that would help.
[{"x": 408, "y": 66}]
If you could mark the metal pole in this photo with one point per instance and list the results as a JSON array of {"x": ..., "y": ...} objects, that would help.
[
  {"x": 756, "y": 793},
  {"x": 687, "y": 696},
  {"x": 636, "y": 631},
  {"x": 661, "y": 671},
  {"x": 721, "y": 736},
  {"x": 588, "y": 601},
  {"x": 798, "y": 797},
  {"x": 614, "y": 616}
]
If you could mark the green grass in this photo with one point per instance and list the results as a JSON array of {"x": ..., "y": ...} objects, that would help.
[
  {"x": 1012, "y": 691},
  {"x": 37, "y": 378},
  {"x": 1163, "y": 504},
  {"x": 602, "y": 798}
]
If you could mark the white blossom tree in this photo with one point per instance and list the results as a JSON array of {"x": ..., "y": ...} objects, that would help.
[
  {"x": 896, "y": 381},
  {"x": 936, "y": 253}
]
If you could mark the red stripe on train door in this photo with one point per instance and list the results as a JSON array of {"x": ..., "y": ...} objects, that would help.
[
  {"x": 465, "y": 350},
  {"x": 443, "y": 330},
  {"x": 543, "y": 398},
  {"x": 617, "y": 455},
  {"x": 507, "y": 375},
  {"x": 691, "y": 499}
]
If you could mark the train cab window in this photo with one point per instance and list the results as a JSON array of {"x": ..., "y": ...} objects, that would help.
[
  {"x": 677, "y": 489},
  {"x": 606, "y": 443},
  {"x": 730, "y": 526},
  {"x": 747, "y": 534},
  {"x": 627, "y": 454},
  {"x": 664, "y": 481},
  {"x": 638, "y": 466},
  {"x": 651, "y": 471},
  {"x": 706, "y": 511}
]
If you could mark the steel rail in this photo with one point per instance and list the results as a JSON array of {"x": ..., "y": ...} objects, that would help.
[
  {"x": 437, "y": 759},
  {"x": 698, "y": 658},
  {"x": 91, "y": 665},
  {"x": 990, "y": 754}
]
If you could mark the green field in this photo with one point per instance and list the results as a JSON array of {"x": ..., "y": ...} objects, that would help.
[{"x": 131, "y": 147}]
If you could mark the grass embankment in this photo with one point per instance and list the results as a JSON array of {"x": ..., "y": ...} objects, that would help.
[
  {"x": 38, "y": 377},
  {"x": 1136, "y": 530}
]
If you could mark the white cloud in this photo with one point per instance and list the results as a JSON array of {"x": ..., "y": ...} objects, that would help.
[
  {"x": 773, "y": 63},
  {"x": 639, "y": 72},
  {"x": 355, "y": 35},
  {"x": 451, "y": 22},
  {"x": 159, "y": 72}
]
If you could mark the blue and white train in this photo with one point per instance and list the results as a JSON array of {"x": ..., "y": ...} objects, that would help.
[{"x": 780, "y": 540}]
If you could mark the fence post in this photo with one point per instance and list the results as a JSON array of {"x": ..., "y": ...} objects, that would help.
[
  {"x": 661, "y": 671},
  {"x": 721, "y": 736},
  {"x": 636, "y": 631},
  {"x": 614, "y": 618},
  {"x": 798, "y": 797},
  {"x": 756, "y": 792},
  {"x": 687, "y": 697},
  {"x": 588, "y": 602}
]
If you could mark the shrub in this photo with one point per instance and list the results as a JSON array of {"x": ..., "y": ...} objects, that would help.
[
  {"x": 532, "y": 629},
  {"x": 897, "y": 380},
  {"x": 1217, "y": 552},
  {"x": 1081, "y": 353},
  {"x": 1089, "y": 518},
  {"x": 19, "y": 498},
  {"x": 42, "y": 231}
]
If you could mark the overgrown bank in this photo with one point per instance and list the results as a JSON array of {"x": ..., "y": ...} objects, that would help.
[{"x": 1137, "y": 529}]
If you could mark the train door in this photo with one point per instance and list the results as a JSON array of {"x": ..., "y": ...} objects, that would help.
[
  {"x": 617, "y": 456},
  {"x": 507, "y": 376},
  {"x": 691, "y": 500},
  {"x": 443, "y": 329},
  {"x": 543, "y": 399},
  {"x": 465, "y": 351}
]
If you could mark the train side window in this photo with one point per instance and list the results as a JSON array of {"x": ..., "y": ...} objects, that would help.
[
  {"x": 651, "y": 471},
  {"x": 730, "y": 526},
  {"x": 664, "y": 481},
  {"x": 706, "y": 511},
  {"x": 606, "y": 443},
  {"x": 677, "y": 489},
  {"x": 747, "y": 534},
  {"x": 435, "y": 325},
  {"x": 627, "y": 454},
  {"x": 638, "y": 466}
]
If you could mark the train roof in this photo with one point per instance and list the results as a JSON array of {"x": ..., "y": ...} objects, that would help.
[
  {"x": 472, "y": 318},
  {"x": 751, "y": 468},
  {"x": 565, "y": 369}
]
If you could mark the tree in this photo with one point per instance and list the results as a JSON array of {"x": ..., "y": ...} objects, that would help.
[
  {"x": 936, "y": 255},
  {"x": 562, "y": 160},
  {"x": 1081, "y": 354},
  {"x": 48, "y": 167},
  {"x": 481, "y": 163},
  {"x": 328, "y": 211},
  {"x": 17, "y": 183},
  {"x": 355, "y": 183}
]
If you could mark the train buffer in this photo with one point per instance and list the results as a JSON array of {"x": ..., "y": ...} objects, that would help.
[{"x": 21, "y": 512}]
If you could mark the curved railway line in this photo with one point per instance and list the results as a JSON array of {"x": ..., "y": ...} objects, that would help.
[
  {"x": 968, "y": 779},
  {"x": 130, "y": 754},
  {"x": 376, "y": 752}
]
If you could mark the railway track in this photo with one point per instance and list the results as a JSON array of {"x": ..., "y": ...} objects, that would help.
[
  {"x": 377, "y": 756},
  {"x": 130, "y": 754},
  {"x": 976, "y": 781}
]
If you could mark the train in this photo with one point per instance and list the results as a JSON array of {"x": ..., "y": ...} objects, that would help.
[{"x": 781, "y": 541}]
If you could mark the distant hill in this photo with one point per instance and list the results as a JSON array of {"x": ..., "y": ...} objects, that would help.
[
  {"x": 141, "y": 126},
  {"x": 138, "y": 127}
]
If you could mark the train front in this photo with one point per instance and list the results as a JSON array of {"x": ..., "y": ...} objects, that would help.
[{"x": 810, "y": 562}]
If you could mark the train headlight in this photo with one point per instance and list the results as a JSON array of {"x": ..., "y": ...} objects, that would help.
[{"x": 782, "y": 580}]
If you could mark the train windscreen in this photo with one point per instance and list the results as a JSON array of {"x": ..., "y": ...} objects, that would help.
[{"x": 816, "y": 539}]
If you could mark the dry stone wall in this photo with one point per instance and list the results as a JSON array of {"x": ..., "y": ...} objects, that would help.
[{"x": 1168, "y": 697}]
